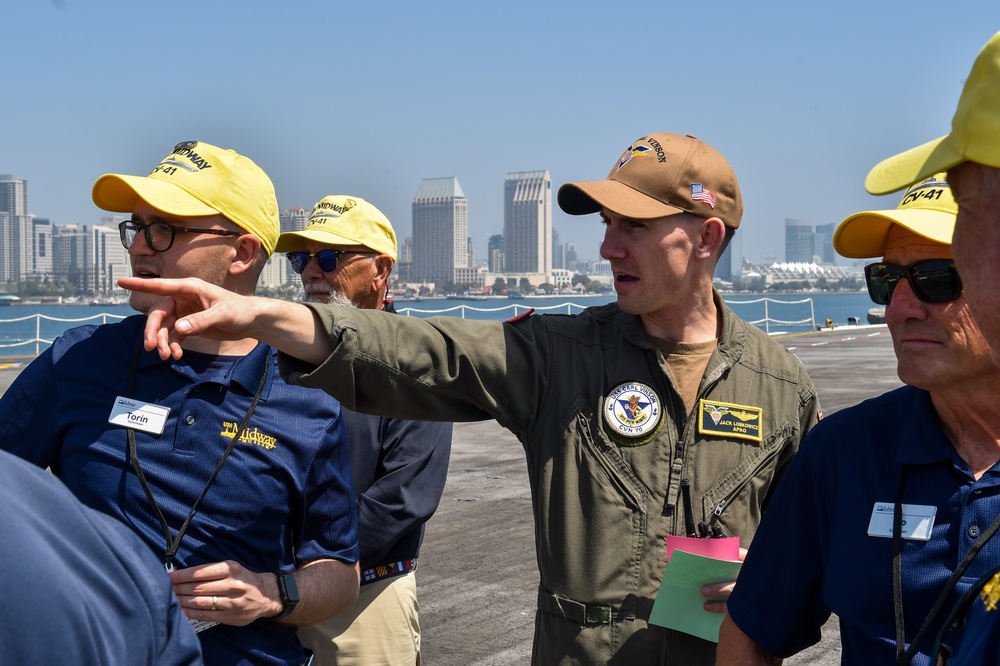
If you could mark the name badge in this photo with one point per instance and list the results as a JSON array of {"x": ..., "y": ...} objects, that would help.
[
  {"x": 918, "y": 521},
  {"x": 138, "y": 415}
]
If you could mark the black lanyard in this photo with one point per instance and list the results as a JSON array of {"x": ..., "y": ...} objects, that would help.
[
  {"x": 903, "y": 658},
  {"x": 173, "y": 543}
]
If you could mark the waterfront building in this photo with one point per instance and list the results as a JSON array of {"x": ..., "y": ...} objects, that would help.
[
  {"x": 731, "y": 262},
  {"x": 823, "y": 243},
  {"x": 527, "y": 222},
  {"x": 495, "y": 253},
  {"x": 16, "y": 237},
  {"x": 799, "y": 244},
  {"x": 440, "y": 230}
]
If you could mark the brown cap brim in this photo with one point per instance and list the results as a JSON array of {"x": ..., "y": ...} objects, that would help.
[{"x": 591, "y": 196}]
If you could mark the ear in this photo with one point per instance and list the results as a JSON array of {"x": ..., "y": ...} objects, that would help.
[
  {"x": 383, "y": 266},
  {"x": 710, "y": 236},
  {"x": 247, "y": 248}
]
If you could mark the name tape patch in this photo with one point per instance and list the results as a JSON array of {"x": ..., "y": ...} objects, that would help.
[{"x": 729, "y": 420}]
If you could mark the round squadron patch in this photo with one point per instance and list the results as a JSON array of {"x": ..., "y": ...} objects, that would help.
[{"x": 633, "y": 413}]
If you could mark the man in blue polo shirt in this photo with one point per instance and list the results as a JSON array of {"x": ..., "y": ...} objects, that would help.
[
  {"x": 240, "y": 482},
  {"x": 400, "y": 466},
  {"x": 886, "y": 515}
]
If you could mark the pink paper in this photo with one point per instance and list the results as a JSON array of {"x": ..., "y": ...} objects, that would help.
[{"x": 727, "y": 548}]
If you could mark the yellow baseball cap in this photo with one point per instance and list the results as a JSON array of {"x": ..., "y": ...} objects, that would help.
[
  {"x": 658, "y": 175},
  {"x": 927, "y": 209},
  {"x": 197, "y": 179},
  {"x": 975, "y": 132},
  {"x": 344, "y": 220}
]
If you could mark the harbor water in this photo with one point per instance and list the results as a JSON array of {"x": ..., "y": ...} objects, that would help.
[{"x": 26, "y": 330}]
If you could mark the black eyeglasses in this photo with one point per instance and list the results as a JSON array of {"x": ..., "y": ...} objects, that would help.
[
  {"x": 325, "y": 259},
  {"x": 932, "y": 280},
  {"x": 160, "y": 235}
]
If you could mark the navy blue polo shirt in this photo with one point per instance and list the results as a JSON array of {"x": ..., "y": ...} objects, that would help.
[
  {"x": 284, "y": 496},
  {"x": 77, "y": 586},
  {"x": 812, "y": 554}
]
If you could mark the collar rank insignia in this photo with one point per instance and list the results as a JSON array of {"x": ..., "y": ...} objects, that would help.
[
  {"x": 729, "y": 420},
  {"x": 633, "y": 413}
]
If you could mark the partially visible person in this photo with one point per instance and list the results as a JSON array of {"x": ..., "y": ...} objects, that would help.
[
  {"x": 723, "y": 405},
  {"x": 883, "y": 513},
  {"x": 345, "y": 254},
  {"x": 971, "y": 155},
  {"x": 78, "y": 587},
  {"x": 239, "y": 481}
]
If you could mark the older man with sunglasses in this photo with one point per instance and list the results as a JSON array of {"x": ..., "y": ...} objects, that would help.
[
  {"x": 884, "y": 512},
  {"x": 345, "y": 253}
]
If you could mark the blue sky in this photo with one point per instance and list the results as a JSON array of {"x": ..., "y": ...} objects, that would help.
[{"x": 367, "y": 98}]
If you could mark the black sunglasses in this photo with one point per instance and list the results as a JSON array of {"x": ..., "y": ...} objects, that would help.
[
  {"x": 160, "y": 235},
  {"x": 325, "y": 259},
  {"x": 932, "y": 280}
]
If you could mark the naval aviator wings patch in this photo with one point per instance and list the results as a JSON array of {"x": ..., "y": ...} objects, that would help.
[
  {"x": 729, "y": 420},
  {"x": 633, "y": 413}
]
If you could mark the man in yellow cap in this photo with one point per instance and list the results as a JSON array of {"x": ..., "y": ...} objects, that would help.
[
  {"x": 971, "y": 155},
  {"x": 723, "y": 406},
  {"x": 346, "y": 253},
  {"x": 240, "y": 482},
  {"x": 878, "y": 517}
]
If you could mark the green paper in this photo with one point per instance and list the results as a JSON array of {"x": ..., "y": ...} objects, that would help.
[{"x": 679, "y": 604}]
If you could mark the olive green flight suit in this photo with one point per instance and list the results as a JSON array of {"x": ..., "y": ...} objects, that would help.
[{"x": 602, "y": 503}]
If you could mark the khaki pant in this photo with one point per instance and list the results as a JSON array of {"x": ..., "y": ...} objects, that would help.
[{"x": 382, "y": 627}]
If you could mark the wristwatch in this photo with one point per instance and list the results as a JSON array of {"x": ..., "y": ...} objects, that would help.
[{"x": 289, "y": 592}]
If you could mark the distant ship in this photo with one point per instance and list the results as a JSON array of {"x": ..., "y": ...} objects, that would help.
[{"x": 876, "y": 315}]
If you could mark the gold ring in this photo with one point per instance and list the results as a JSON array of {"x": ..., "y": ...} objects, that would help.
[{"x": 215, "y": 601}]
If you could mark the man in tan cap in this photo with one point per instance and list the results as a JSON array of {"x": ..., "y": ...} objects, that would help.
[
  {"x": 878, "y": 517},
  {"x": 239, "y": 481},
  {"x": 971, "y": 155},
  {"x": 399, "y": 466},
  {"x": 723, "y": 407}
]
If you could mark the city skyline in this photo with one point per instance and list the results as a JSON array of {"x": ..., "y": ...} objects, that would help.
[{"x": 369, "y": 99}]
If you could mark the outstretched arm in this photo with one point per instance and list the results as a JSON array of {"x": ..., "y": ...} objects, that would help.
[{"x": 194, "y": 307}]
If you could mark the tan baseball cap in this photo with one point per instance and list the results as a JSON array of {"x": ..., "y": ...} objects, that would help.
[
  {"x": 198, "y": 179},
  {"x": 658, "y": 175},
  {"x": 340, "y": 219},
  {"x": 927, "y": 209},
  {"x": 975, "y": 131}
]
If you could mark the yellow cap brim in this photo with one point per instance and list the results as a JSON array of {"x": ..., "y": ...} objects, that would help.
[
  {"x": 864, "y": 235},
  {"x": 908, "y": 167},
  {"x": 292, "y": 241},
  {"x": 118, "y": 193}
]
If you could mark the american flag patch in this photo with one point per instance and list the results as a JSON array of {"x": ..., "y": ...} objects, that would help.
[{"x": 702, "y": 194}]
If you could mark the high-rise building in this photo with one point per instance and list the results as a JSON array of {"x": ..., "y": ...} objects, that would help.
[
  {"x": 495, "y": 253},
  {"x": 823, "y": 243},
  {"x": 440, "y": 230},
  {"x": 16, "y": 237},
  {"x": 730, "y": 266},
  {"x": 40, "y": 262},
  {"x": 798, "y": 241},
  {"x": 278, "y": 271},
  {"x": 91, "y": 257},
  {"x": 527, "y": 222}
]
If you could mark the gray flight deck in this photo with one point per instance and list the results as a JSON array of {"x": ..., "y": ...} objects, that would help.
[{"x": 477, "y": 580}]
